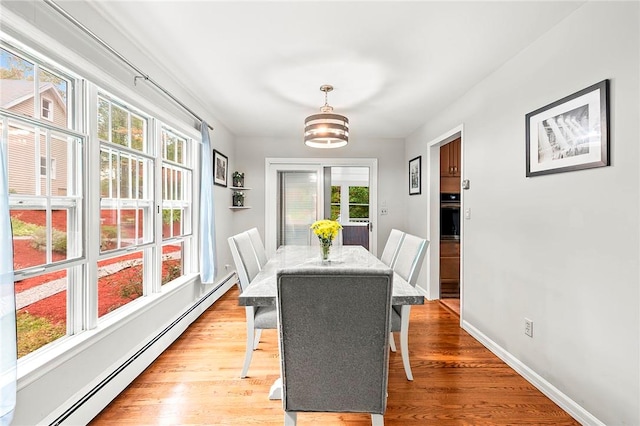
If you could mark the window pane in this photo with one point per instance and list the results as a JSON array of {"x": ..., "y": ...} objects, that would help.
[
  {"x": 41, "y": 304},
  {"x": 121, "y": 227},
  {"x": 23, "y": 152},
  {"x": 34, "y": 245},
  {"x": 172, "y": 262},
  {"x": 358, "y": 202},
  {"x": 29, "y": 238},
  {"x": 335, "y": 202},
  {"x": 103, "y": 119},
  {"x": 28, "y": 165},
  {"x": 173, "y": 147},
  {"x": 17, "y": 84},
  {"x": 54, "y": 95},
  {"x": 107, "y": 175},
  {"x": 173, "y": 224},
  {"x": 138, "y": 133},
  {"x": 120, "y": 281},
  {"x": 119, "y": 126}
]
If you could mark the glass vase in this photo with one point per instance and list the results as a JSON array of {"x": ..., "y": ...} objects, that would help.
[{"x": 325, "y": 249}]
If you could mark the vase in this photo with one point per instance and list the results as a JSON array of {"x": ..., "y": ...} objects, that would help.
[{"x": 325, "y": 249}]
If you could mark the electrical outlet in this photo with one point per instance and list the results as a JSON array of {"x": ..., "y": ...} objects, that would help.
[
  {"x": 383, "y": 211},
  {"x": 528, "y": 327}
]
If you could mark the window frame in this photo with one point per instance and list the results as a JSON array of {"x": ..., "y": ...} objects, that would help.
[{"x": 82, "y": 98}]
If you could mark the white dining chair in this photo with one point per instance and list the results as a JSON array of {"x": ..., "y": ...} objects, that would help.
[
  {"x": 334, "y": 335},
  {"x": 258, "y": 318},
  {"x": 407, "y": 264},
  {"x": 390, "y": 251},
  {"x": 258, "y": 246}
]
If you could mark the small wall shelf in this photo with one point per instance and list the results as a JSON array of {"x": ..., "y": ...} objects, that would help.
[{"x": 239, "y": 188}]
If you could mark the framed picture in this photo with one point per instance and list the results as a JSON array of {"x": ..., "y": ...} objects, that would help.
[
  {"x": 415, "y": 180},
  {"x": 569, "y": 134},
  {"x": 220, "y": 163}
]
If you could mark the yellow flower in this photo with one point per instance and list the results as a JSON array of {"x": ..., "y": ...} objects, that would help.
[{"x": 326, "y": 230}]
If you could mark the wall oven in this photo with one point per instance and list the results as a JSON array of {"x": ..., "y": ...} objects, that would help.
[{"x": 449, "y": 216}]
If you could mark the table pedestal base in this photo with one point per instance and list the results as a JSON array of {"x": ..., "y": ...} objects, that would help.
[{"x": 276, "y": 389}]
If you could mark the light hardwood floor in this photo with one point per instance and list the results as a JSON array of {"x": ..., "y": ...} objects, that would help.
[{"x": 456, "y": 380}]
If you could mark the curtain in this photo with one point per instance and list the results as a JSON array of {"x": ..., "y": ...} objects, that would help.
[
  {"x": 8, "y": 346},
  {"x": 208, "y": 260}
]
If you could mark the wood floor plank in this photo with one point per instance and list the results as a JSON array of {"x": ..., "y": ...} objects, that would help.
[{"x": 456, "y": 380}]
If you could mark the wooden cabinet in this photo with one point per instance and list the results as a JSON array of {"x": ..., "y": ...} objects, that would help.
[
  {"x": 449, "y": 268},
  {"x": 450, "y": 159}
]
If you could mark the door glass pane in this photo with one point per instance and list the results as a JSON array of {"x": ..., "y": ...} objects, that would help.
[{"x": 298, "y": 206}]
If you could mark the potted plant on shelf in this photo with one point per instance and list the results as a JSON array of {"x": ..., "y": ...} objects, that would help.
[
  {"x": 238, "y": 179},
  {"x": 238, "y": 199}
]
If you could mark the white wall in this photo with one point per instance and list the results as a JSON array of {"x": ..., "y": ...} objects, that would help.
[
  {"x": 250, "y": 154},
  {"x": 560, "y": 249}
]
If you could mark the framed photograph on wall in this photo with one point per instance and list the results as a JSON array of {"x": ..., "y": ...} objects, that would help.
[
  {"x": 415, "y": 178},
  {"x": 569, "y": 134},
  {"x": 220, "y": 166}
]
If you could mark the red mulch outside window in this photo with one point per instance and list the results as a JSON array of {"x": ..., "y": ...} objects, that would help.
[{"x": 54, "y": 307}]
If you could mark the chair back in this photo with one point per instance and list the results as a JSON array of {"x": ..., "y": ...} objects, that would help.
[
  {"x": 409, "y": 258},
  {"x": 390, "y": 251},
  {"x": 245, "y": 258},
  {"x": 334, "y": 335},
  {"x": 258, "y": 246}
]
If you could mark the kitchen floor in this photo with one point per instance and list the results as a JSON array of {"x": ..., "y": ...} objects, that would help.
[{"x": 452, "y": 304}]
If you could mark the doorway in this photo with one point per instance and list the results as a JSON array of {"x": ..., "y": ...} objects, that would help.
[
  {"x": 300, "y": 191},
  {"x": 445, "y": 221}
]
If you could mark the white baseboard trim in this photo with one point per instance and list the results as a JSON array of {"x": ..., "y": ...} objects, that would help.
[
  {"x": 82, "y": 410},
  {"x": 553, "y": 393}
]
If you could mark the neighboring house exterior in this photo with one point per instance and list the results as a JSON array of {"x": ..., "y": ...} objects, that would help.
[{"x": 18, "y": 96}]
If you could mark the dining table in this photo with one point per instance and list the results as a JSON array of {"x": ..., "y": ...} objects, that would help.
[{"x": 262, "y": 291}]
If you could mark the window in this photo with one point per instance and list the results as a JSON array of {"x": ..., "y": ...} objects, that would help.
[
  {"x": 46, "y": 216},
  {"x": 357, "y": 203},
  {"x": 126, "y": 204},
  {"x": 176, "y": 203},
  {"x": 48, "y": 161},
  {"x": 51, "y": 168},
  {"x": 47, "y": 109}
]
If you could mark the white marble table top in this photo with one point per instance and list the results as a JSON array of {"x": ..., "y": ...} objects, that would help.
[{"x": 262, "y": 290}]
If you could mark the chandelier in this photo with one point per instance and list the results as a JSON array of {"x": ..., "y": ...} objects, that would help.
[{"x": 326, "y": 130}]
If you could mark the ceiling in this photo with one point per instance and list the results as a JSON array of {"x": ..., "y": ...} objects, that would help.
[{"x": 258, "y": 66}]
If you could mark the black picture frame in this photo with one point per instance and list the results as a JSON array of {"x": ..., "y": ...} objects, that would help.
[
  {"x": 415, "y": 175},
  {"x": 220, "y": 168},
  {"x": 569, "y": 134}
]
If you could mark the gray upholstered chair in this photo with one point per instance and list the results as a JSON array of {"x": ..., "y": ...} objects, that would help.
[
  {"x": 258, "y": 318},
  {"x": 390, "y": 251},
  {"x": 407, "y": 264},
  {"x": 258, "y": 246},
  {"x": 334, "y": 328}
]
